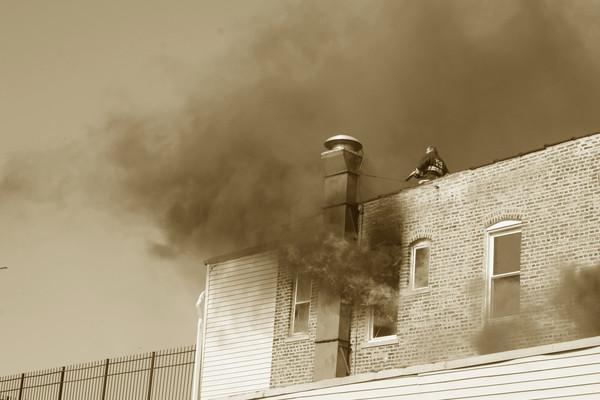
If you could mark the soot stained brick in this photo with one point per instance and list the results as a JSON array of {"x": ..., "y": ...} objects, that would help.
[{"x": 555, "y": 192}]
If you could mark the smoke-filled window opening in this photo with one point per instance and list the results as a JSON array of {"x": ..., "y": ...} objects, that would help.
[
  {"x": 382, "y": 323},
  {"x": 504, "y": 269},
  {"x": 300, "y": 304},
  {"x": 419, "y": 264}
]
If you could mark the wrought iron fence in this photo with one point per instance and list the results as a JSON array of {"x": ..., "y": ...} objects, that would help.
[{"x": 160, "y": 375}]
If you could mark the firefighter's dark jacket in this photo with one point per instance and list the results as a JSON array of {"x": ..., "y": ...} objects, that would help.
[{"x": 432, "y": 164}]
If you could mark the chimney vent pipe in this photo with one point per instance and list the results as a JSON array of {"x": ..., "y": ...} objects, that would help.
[
  {"x": 341, "y": 162},
  {"x": 344, "y": 142}
]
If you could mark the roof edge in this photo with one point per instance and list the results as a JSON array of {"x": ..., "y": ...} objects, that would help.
[
  {"x": 495, "y": 161},
  {"x": 544, "y": 147},
  {"x": 547, "y": 349},
  {"x": 240, "y": 253}
]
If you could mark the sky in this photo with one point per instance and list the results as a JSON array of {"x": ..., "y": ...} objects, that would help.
[
  {"x": 139, "y": 138},
  {"x": 80, "y": 284}
]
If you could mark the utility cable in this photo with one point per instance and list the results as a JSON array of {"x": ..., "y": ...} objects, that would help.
[{"x": 382, "y": 177}]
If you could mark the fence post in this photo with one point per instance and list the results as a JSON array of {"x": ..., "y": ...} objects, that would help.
[
  {"x": 21, "y": 386},
  {"x": 105, "y": 379},
  {"x": 62, "y": 381},
  {"x": 151, "y": 375}
]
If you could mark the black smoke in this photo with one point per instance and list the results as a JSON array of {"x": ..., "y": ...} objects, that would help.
[{"x": 480, "y": 80}]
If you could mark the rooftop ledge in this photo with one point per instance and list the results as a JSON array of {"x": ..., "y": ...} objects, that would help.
[
  {"x": 423, "y": 368},
  {"x": 434, "y": 182}
]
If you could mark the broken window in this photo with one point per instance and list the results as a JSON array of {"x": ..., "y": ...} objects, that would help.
[
  {"x": 504, "y": 269},
  {"x": 301, "y": 304},
  {"x": 383, "y": 322},
  {"x": 419, "y": 264}
]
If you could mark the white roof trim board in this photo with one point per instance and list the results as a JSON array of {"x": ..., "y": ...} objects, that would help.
[{"x": 566, "y": 370}]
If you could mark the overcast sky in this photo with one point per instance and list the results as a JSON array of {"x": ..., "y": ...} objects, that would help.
[
  {"x": 237, "y": 90},
  {"x": 80, "y": 283}
]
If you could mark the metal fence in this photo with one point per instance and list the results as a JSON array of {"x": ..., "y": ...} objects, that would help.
[{"x": 160, "y": 375}]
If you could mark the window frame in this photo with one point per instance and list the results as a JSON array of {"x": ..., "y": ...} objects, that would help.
[
  {"x": 292, "y": 333},
  {"x": 418, "y": 244},
  {"x": 502, "y": 228},
  {"x": 381, "y": 339}
]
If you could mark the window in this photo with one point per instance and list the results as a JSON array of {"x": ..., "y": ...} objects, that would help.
[
  {"x": 504, "y": 269},
  {"x": 419, "y": 264},
  {"x": 382, "y": 323},
  {"x": 301, "y": 304}
]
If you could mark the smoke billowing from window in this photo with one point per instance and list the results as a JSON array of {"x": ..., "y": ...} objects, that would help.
[
  {"x": 575, "y": 301},
  {"x": 361, "y": 273},
  {"x": 579, "y": 294}
]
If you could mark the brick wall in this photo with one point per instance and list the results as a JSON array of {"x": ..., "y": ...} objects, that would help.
[
  {"x": 292, "y": 356},
  {"x": 555, "y": 192}
]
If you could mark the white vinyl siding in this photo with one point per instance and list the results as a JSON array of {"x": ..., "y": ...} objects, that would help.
[
  {"x": 566, "y": 375},
  {"x": 239, "y": 325}
]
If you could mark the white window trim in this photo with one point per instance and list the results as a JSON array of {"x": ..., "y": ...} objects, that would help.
[
  {"x": 501, "y": 228},
  {"x": 377, "y": 341},
  {"x": 298, "y": 335},
  {"x": 419, "y": 244}
]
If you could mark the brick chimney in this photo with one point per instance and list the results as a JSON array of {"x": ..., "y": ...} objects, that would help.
[{"x": 341, "y": 162}]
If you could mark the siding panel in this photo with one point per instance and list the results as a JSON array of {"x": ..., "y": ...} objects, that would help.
[
  {"x": 239, "y": 326},
  {"x": 573, "y": 374}
]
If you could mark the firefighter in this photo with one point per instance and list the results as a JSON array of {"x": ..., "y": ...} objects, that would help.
[{"x": 430, "y": 167}]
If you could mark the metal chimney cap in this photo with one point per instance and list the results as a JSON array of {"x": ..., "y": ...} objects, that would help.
[{"x": 343, "y": 142}]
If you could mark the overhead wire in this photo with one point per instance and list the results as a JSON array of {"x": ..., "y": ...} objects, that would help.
[
  {"x": 387, "y": 178},
  {"x": 375, "y": 193}
]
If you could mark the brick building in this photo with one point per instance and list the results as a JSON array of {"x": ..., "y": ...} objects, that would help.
[{"x": 480, "y": 248}]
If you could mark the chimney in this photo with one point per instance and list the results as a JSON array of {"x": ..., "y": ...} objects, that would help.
[{"x": 341, "y": 162}]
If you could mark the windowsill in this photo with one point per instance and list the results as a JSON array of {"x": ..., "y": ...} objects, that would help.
[
  {"x": 499, "y": 320},
  {"x": 414, "y": 292},
  {"x": 382, "y": 341},
  {"x": 297, "y": 337}
]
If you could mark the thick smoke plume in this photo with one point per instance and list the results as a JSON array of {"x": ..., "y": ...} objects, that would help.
[
  {"x": 361, "y": 273},
  {"x": 478, "y": 79},
  {"x": 507, "y": 334},
  {"x": 206, "y": 193},
  {"x": 579, "y": 293},
  {"x": 576, "y": 300}
]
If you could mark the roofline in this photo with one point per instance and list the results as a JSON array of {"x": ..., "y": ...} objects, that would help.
[
  {"x": 547, "y": 349},
  {"x": 495, "y": 161},
  {"x": 270, "y": 246},
  {"x": 572, "y": 138},
  {"x": 240, "y": 253}
]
